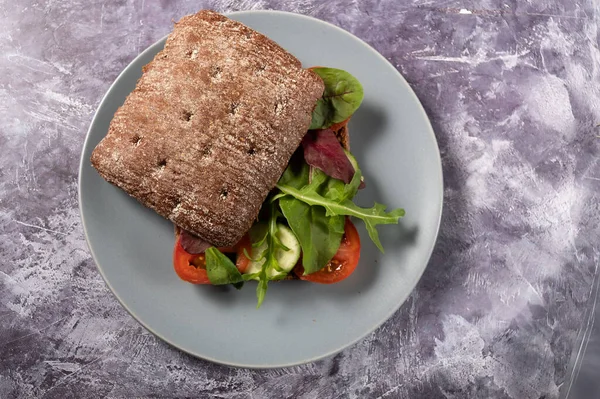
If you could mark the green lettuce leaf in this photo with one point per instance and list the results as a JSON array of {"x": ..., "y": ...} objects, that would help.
[
  {"x": 342, "y": 96},
  {"x": 336, "y": 199},
  {"x": 220, "y": 269},
  {"x": 319, "y": 235}
]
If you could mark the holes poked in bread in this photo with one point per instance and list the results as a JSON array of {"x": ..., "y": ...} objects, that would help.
[
  {"x": 260, "y": 69},
  {"x": 224, "y": 193},
  {"x": 206, "y": 152},
  {"x": 233, "y": 108},
  {"x": 187, "y": 116},
  {"x": 192, "y": 54},
  {"x": 162, "y": 164},
  {"x": 279, "y": 106},
  {"x": 136, "y": 140},
  {"x": 176, "y": 209},
  {"x": 215, "y": 71},
  {"x": 252, "y": 149}
]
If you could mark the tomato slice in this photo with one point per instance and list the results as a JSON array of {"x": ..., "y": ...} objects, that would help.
[
  {"x": 194, "y": 273},
  {"x": 337, "y": 127},
  {"x": 343, "y": 263},
  {"x": 192, "y": 267},
  {"x": 242, "y": 262}
]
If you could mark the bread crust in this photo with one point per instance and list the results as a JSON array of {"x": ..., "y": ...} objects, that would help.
[{"x": 210, "y": 126}]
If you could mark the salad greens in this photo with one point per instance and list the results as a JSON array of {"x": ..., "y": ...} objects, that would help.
[
  {"x": 220, "y": 268},
  {"x": 342, "y": 97},
  {"x": 319, "y": 235},
  {"x": 337, "y": 200},
  {"x": 313, "y": 204},
  {"x": 286, "y": 258},
  {"x": 266, "y": 233}
]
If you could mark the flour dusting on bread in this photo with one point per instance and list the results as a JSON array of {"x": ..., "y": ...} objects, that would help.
[{"x": 210, "y": 126}]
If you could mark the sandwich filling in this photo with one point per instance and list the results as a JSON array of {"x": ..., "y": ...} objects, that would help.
[
  {"x": 231, "y": 139},
  {"x": 303, "y": 230}
]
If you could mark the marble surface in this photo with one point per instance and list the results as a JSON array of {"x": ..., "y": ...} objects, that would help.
[{"x": 512, "y": 89}]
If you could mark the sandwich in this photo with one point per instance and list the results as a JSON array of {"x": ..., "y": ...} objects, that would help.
[{"x": 247, "y": 153}]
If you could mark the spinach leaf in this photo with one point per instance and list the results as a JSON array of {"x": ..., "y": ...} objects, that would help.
[
  {"x": 322, "y": 115},
  {"x": 220, "y": 268},
  {"x": 337, "y": 200},
  {"x": 295, "y": 175},
  {"x": 319, "y": 235},
  {"x": 258, "y": 234},
  {"x": 341, "y": 98}
]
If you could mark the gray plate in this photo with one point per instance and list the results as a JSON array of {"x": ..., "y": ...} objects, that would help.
[{"x": 299, "y": 322}]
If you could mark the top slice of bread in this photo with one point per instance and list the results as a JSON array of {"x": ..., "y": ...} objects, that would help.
[{"x": 210, "y": 126}]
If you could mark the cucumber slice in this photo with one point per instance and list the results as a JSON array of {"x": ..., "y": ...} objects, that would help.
[{"x": 287, "y": 259}]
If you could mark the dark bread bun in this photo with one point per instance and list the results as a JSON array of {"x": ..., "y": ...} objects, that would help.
[{"x": 210, "y": 126}]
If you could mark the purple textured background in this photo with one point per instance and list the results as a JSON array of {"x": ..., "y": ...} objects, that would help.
[{"x": 513, "y": 92}]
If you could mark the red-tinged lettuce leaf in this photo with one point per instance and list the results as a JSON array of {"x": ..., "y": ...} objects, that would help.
[
  {"x": 192, "y": 244},
  {"x": 322, "y": 150},
  {"x": 342, "y": 97}
]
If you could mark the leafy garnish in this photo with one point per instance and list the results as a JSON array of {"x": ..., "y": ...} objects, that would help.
[
  {"x": 336, "y": 199},
  {"x": 261, "y": 289},
  {"x": 342, "y": 96},
  {"x": 338, "y": 191},
  {"x": 323, "y": 150},
  {"x": 221, "y": 270},
  {"x": 319, "y": 235},
  {"x": 266, "y": 233}
]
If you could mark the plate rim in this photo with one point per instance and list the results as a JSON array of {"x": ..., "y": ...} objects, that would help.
[{"x": 439, "y": 171}]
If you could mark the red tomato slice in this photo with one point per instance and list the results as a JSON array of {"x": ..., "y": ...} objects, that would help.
[
  {"x": 336, "y": 127},
  {"x": 242, "y": 261},
  {"x": 343, "y": 263},
  {"x": 192, "y": 267}
]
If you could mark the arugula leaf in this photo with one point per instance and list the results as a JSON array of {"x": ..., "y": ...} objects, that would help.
[
  {"x": 320, "y": 232},
  {"x": 258, "y": 236},
  {"x": 297, "y": 176},
  {"x": 342, "y": 96},
  {"x": 319, "y": 235},
  {"x": 371, "y": 216},
  {"x": 337, "y": 200},
  {"x": 261, "y": 291},
  {"x": 220, "y": 268},
  {"x": 351, "y": 188}
]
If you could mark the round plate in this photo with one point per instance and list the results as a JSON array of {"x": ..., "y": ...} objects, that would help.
[{"x": 299, "y": 322}]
